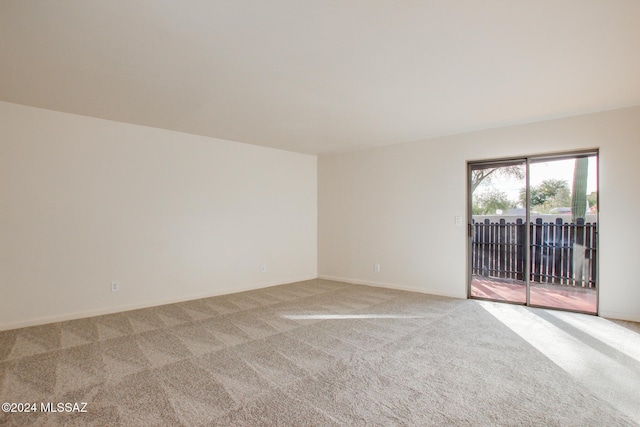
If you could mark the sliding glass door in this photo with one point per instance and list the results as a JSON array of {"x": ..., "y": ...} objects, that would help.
[
  {"x": 498, "y": 267},
  {"x": 533, "y": 231},
  {"x": 563, "y": 200}
]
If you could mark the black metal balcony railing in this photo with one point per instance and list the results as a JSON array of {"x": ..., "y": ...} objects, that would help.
[{"x": 561, "y": 253}]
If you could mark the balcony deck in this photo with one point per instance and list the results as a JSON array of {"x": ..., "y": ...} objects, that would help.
[{"x": 542, "y": 294}]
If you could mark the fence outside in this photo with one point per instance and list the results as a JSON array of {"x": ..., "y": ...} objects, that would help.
[{"x": 560, "y": 253}]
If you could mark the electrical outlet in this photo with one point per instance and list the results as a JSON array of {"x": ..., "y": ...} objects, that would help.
[
  {"x": 458, "y": 220},
  {"x": 376, "y": 268},
  {"x": 115, "y": 286},
  {"x": 263, "y": 268}
]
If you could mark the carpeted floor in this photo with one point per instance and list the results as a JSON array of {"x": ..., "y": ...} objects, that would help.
[{"x": 323, "y": 353}]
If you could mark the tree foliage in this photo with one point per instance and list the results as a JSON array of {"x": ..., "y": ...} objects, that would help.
[
  {"x": 592, "y": 198},
  {"x": 490, "y": 202},
  {"x": 549, "y": 194}
]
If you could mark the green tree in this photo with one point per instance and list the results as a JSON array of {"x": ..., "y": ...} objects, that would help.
[
  {"x": 549, "y": 194},
  {"x": 488, "y": 203},
  {"x": 592, "y": 198}
]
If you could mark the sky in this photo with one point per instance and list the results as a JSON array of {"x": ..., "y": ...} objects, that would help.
[{"x": 563, "y": 169}]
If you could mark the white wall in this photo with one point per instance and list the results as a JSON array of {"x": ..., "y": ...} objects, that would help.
[
  {"x": 170, "y": 216},
  {"x": 396, "y": 205}
]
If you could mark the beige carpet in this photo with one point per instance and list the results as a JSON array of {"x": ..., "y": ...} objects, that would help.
[{"x": 318, "y": 353}]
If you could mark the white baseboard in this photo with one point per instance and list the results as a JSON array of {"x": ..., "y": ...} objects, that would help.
[
  {"x": 119, "y": 309},
  {"x": 620, "y": 316},
  {"x": 430, "y": 291}
]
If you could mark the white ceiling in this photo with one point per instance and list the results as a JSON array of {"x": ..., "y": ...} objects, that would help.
[{"x": 321, "y": 76}]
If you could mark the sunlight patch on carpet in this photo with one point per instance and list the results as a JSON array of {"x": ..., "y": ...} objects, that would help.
[
  {"x": 568, "y": 341},
  {"x": 606, "y": 331}
]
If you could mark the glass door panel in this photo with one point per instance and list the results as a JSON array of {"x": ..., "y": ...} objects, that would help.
[
  {"x": 498, "y": 231},
  {"x": 563, "y": 233}
]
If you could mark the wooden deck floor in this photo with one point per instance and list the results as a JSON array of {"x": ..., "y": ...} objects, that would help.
[{"x": 545, "y": 295}]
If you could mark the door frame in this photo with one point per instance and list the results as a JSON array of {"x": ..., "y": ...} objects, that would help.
[{"x": 526, "y": 160}]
